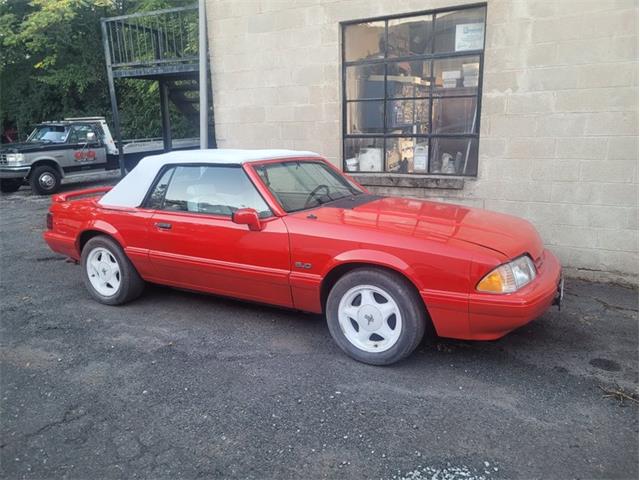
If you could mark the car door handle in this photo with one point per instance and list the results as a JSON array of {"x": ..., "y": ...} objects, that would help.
[{"x": 163, "y": 226}]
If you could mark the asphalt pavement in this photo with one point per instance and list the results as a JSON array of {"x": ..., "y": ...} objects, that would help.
[{"x": 185, "y": 385}]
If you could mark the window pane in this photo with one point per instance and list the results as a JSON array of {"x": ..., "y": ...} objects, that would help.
[
  {"x": 365, "y": 81},
  {"x": 459, "y": 31},
  {"x": 364, "y": 40},
  {"x": 454, "y": 156},
  {"x": 157, "y": 196},
  {"x": 363, "y": 154},
  {"x": 79, "y": 134},
  {"x": 454, "y": 115},
  {"x": 410, "y": 36},
  {"x": 396, "y": 103},
  {"x": 407, "y": 155},
  {"x": 212, "y": 190},
  {"x": 365, "y": 117},
  {"x": 52, "y": 134},
  {"x": 408, "y": 116},
  {"x": 456, "y": 76},
  {"x": 300, "y": 185},
  {"x": 408, "y": 79}
]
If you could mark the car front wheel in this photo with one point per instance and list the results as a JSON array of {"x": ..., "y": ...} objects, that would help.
[
  {"x": 375, "y": 316},
  {"x": 108, "y": 274},
  {"x": 45, "y": 180}
]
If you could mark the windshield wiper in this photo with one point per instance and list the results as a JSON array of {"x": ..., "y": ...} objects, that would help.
[
  {"x": 348, "y": 195},
  {"x": 321, "y": 201}
]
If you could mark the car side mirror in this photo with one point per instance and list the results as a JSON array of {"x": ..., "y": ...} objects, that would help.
[{"x": 249, "y": 217}]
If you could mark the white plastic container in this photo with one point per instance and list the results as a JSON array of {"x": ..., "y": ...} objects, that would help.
[
  {"x": 370, "y": 160},
  {"x": 352, "y": 164}
]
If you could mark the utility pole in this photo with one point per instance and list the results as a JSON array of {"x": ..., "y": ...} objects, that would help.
[
  {"x": 202, "y": 50},
  {"x": 112, "y": 95}
]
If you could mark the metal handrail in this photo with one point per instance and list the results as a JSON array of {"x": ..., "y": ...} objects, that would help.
[
  {"x": 152, "y": 38},
  {"x": 154, "y": 12},
  {"x": 192, "y": 58}
]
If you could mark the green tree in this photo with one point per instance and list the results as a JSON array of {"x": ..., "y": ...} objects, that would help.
[{"x": 52, "y": 66}]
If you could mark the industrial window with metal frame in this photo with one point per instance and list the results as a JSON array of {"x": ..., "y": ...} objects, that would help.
[{"x": 411, "y": 92}]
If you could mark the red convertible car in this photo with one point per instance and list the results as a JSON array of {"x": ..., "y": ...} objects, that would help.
[{"x": 287, "y": 228}]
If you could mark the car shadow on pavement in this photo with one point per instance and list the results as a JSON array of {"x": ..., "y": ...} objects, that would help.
[{"x": 567, "y": 342}]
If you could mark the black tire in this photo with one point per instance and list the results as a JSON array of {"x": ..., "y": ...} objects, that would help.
[
  {"x": 9, "y": 185},
  {"x": 131, "y": 285},
  {"x": 410, "y": 305},
  {"x": 45, "y": 180}
]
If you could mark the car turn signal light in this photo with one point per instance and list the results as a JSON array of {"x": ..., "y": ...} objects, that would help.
[{"x": 509, "y": 277}]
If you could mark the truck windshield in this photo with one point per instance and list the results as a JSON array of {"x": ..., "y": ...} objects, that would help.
[
  {"x": 49, "y": 134},
  {"x": 299, "y": 185}
]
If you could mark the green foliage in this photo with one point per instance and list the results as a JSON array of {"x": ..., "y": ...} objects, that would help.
[{"x": 52, "y": 66}]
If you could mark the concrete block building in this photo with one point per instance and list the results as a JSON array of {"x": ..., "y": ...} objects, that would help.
[{"x": 528, "y": 107}]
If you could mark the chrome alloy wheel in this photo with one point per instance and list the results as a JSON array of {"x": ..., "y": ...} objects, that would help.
[
  {"x": 103, "y": 272},
  {"x": 47, "y": 181},
  {"x": 370, "y": 318}
]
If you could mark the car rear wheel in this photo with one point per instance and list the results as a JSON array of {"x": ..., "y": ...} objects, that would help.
[
  {"x": 9, "y": 185},
  {"x": 45, "y": 180},
  {"x": 375, "y": 316},
  {"x": 108, "y": 274}
]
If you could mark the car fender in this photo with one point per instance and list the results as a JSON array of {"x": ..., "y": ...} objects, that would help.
[
  {"x": 373, "y": 257},
  {"x": 102, "y": 226},
  {"x": 47, "y": 159},
  {"x": 307, "y": 288}
]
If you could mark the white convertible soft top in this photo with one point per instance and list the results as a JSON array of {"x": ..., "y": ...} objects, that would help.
[{"x": 131, "y": 190}]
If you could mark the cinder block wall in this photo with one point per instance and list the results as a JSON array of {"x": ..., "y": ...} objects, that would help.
[{"x": 559, "y": 119}]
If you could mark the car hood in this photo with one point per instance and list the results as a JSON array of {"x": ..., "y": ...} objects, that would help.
[
  {"x": 511, "y": 236},
  {"x": 30, "y": 147}
]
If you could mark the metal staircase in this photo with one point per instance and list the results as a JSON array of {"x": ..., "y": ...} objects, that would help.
[
  {"x": 184, "y": 95},
  {"x": 161, "y": 45}
]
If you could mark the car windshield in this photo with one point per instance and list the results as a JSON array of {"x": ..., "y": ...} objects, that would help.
[
  {"x": 299, "y": 185},
  {"x": 49, "y": 134}
]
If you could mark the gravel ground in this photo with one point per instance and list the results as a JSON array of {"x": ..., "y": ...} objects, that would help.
[{"x": 183, "y": 385}]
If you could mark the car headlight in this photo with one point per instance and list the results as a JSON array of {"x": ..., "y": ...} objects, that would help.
[
  {"x": 509, "y": 277},
  {"x": 15, "y": 158}
]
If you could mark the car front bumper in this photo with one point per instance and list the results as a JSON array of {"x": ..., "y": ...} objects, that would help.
[
  {"x": 486, "y": 316},
  {"x": 492, "y": 316},
  {"x": 14, "y": 172}
]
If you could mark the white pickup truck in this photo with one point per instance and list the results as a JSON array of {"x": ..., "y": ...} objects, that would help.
[{"x": 73, "y": 146}]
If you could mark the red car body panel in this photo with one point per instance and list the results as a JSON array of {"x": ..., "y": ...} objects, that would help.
[
  {"x": 214, "y": 254},
  {"x": 443, "y": 249}
]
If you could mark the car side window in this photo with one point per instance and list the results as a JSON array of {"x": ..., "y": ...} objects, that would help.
[
  {"x": 79, "y": 134},
  {"x": 159, "y": 190},
  {"x": 215, "y": 190}
]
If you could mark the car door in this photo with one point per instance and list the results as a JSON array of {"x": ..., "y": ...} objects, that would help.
[
  {"x": 85, "y": 149},
  {"x": 193, "y": 242}
]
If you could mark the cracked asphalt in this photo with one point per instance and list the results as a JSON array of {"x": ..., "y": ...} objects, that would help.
[{"x": 183, "y": 385}]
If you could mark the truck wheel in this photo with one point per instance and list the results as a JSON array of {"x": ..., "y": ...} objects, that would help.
[
  {"x": 44, "y": 180},
  {"x": 108, "y": 274},
  {"x": 375, "y": 316},
  {"x": 8, "y": 185}
]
